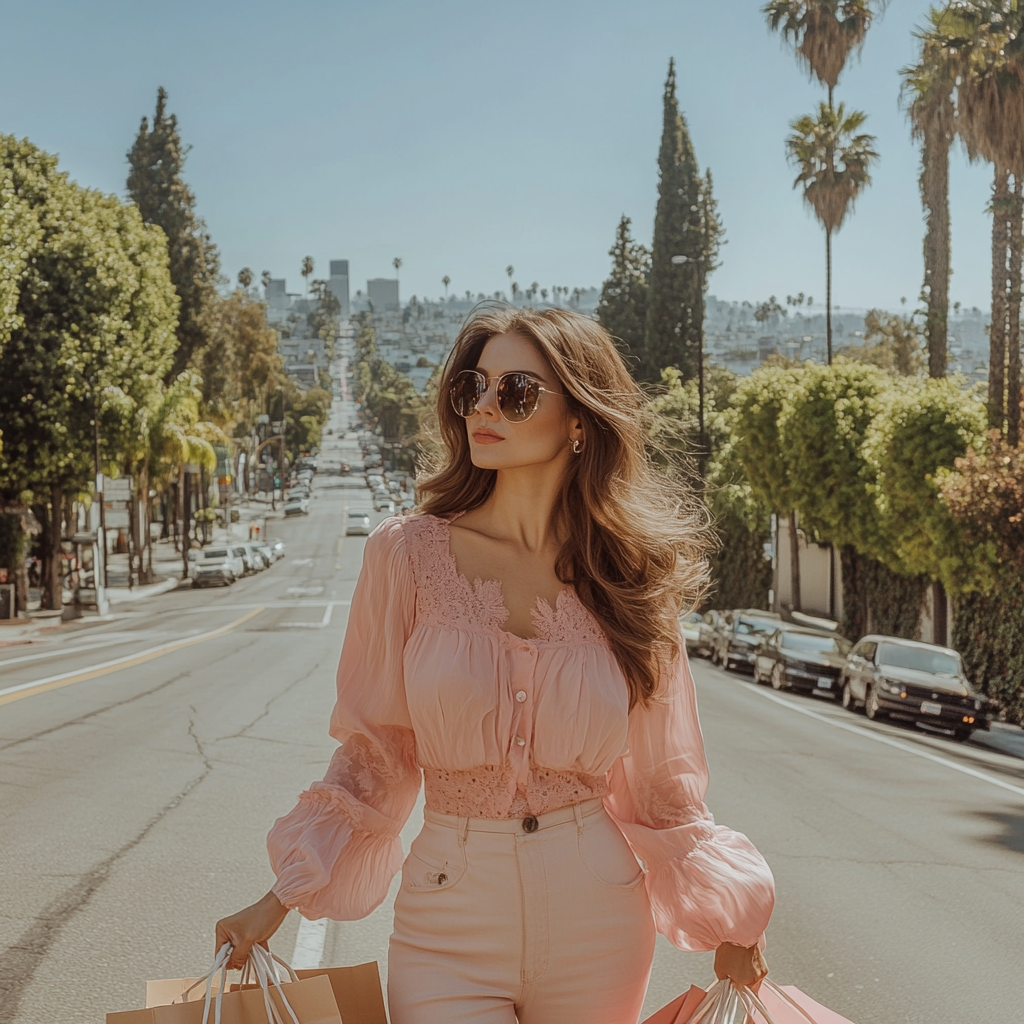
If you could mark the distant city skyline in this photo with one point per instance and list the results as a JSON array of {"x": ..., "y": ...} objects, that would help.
[{"x": 464, "y": 139}]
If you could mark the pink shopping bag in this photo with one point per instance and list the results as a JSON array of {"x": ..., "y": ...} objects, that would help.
[{"x": 782, "y": 1005}]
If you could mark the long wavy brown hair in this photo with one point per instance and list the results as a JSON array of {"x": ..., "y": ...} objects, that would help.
[{"x": 635, "y": 541}]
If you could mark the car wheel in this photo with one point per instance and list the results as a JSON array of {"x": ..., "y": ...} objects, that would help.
[
  {"x": 962, "y": 735},
  {"x": 847, "y": 698},
  {"x": 778, "y": 677},
  {"x": 871, "y": 706},
  {"x": 757, "y": 673}
]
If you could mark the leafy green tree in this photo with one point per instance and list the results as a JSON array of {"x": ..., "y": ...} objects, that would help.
[
  {"x": 927, "y": 95},
  {"x": 834, "y": 161},
  {"x": 156, "y": 161},
  {"x": 96, "y": 312},
  {"x": 245, "y": 277},
  {"x": 740, "y": 572},
  {"x": 924, "y": 427},
  {"x": 675, "y": 296},
  {"x": 19, "y": 235},
  {"x": 622, "y": 308}
]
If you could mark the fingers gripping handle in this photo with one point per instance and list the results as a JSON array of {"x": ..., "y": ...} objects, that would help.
[{"x": 264, "y": 966}]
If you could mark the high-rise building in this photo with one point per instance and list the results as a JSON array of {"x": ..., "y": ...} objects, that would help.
[
  {"x": 277, "y": 297},
  {"x": 383, "y": 294},
  {"x": 338, "y": 285}
]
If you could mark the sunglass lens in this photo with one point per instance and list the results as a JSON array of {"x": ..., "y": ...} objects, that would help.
[
  {"x": 517, "y": 397},
  {"x": 466, "y": 390}
]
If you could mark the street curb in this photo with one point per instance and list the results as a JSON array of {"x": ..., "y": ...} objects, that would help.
[{"x": 141, "y": 593}]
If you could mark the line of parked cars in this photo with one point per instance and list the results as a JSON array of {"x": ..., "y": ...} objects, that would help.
[
  {"x": 222, "y": 564},
  {"x": 300, "y": 488},
  {"x": 885, "y": 676}
]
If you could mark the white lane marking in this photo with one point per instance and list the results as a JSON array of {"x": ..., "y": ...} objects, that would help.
[
  {"x": 889, "y": 742},
  {"x": 10, "y": 693},
  {"x": 124, "y": 638},
  {"x": 309, "y": 944},
  {"x": 266, "y": 604}
]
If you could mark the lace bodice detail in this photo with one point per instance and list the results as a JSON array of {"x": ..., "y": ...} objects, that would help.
[{"x": 444, "y": 597}]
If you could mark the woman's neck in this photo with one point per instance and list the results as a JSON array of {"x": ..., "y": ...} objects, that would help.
[{"x": 521, "y": 505}]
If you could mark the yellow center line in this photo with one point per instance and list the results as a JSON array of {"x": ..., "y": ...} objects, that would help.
[{"x": 29, "y": 689}]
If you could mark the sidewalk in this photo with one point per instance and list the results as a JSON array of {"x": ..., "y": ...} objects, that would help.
[{"x": 168, "y": 573}]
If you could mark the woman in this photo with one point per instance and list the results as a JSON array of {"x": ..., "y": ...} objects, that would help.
[{"x": 547, "y": 706}]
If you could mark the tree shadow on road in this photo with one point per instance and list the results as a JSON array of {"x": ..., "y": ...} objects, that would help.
[{"x": 1009, "y": 829}]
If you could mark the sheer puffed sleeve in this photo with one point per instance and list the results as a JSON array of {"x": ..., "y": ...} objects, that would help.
[
  {"x": 335, "y": 854},
  {"x": 707, "y": 884}
]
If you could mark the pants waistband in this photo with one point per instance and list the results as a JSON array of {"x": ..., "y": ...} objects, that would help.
[{"x": 531, "y": 823}]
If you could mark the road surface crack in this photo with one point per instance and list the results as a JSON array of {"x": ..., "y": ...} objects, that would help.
[
  {"x": 241, "y": 733},
  {"x": 20, "y": 961},
  {"x": 110, "y": 707}
]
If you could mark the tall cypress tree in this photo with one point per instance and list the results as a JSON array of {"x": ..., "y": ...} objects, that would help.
[
  {"x": 155, "y": 183},
  {"x": 675, "y": 301},
  {"x": 622, "y": 308}
]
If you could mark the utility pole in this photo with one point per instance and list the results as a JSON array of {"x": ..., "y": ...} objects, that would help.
[{"x": 102, "y": 545}]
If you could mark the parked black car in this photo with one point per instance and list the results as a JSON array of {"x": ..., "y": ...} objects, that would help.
[
  {"x": 919, "y": 682},
  {"x": 738, "y": 634},
  {"x": 797, "y": 658}
]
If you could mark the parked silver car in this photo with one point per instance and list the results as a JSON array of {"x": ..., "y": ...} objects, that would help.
[{"x": 219, "y": 566}]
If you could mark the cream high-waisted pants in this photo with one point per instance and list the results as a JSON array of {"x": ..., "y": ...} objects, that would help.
[{"x": 543, "y": 920}]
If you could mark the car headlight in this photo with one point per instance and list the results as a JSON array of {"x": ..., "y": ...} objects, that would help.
[{"x": 890, "y": 687}]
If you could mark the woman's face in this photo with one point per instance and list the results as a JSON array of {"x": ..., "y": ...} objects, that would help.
[{"x": 545, "y": 437}]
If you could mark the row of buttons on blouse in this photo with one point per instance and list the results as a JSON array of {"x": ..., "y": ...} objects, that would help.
[{"x": 521, "y": 698}]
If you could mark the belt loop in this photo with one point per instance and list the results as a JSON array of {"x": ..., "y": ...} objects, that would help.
[
  {"x": 578, "y": 815},
  {"x": 463, "y": 831}
]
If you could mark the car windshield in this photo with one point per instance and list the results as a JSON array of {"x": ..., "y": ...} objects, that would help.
[
  {"x": 238, "y": 552},
  {"x": 692, "y": 618},
  {"x": 816, "y": 644},
  {"x": 216, "y": 554},
  {"x": 357, "y": 515},
  {"x": 919, "y": 658},
  {"x": 751, "y": 626}
]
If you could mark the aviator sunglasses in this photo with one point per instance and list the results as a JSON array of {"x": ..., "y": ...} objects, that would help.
[{"x": 517, "y": 394}]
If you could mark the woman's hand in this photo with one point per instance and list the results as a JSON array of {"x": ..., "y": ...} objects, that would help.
[
  {"x": 254, "y": 924},
  {"x": 742, "y": 964}
]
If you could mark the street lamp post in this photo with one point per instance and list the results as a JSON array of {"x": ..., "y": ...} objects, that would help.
[{"x": 702, "y": 447}]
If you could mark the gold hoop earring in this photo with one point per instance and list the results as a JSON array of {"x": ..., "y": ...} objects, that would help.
[{"x": 577, "y": 446}]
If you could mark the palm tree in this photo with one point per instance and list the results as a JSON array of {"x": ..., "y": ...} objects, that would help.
[
  {"x": 510, "y": 271},
  {"x": 823, "y": 32},
  {"x": 245, "y": 277},
  {"x": 307, "y": 269},
  {"x": 446, "y": 280},
  {"x": 927, "y": 94},
  {"x": 265, "y": 280},
  {"x": 982, "y": 39},
  {"x": 834, "y": 162}
]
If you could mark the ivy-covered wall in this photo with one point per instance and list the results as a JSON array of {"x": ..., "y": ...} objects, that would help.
[
  {"x": 988, "y": 630},
  {"x": 740, "y": 573},
  {"x": 894, "y": 600}
]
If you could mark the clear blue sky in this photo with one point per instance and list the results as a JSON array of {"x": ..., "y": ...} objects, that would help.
[{"x": 464, "y": 135}]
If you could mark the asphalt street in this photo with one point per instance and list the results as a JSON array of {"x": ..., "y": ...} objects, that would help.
[{"x": 137, "y": 790}]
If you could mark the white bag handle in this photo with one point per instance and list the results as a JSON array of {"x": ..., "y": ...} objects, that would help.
[
  {"x": 261, "y": 962},
  {"x": 723, "y": 996}
]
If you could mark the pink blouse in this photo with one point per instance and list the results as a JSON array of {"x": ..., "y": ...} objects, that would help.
[{"x": 431, "y": 686}]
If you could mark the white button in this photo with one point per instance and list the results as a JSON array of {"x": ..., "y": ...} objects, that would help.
[
  {"x": 521, "y": 696},
  {"x": 521, "y": 741}
]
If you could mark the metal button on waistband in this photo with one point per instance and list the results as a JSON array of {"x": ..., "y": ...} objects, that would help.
[
  {"x": 521, "y": 741},
  {"x": 521, "y": 696},
  {"x": 442, "y": 878},
  {"x": 530, "y": 824}
]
